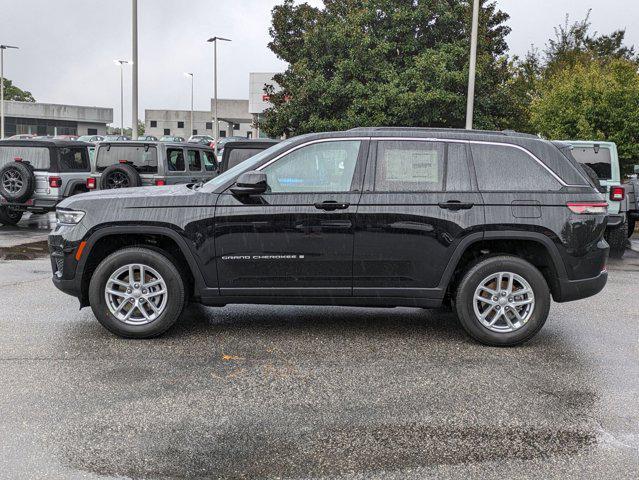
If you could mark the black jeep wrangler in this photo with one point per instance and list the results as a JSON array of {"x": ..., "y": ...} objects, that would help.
[{"x": 491, "y": 223}]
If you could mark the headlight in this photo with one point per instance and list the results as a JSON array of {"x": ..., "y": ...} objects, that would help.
[{"x": 69, "y": 217}]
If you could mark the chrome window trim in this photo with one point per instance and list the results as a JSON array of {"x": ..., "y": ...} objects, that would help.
[{"x": 424, "y": 139}]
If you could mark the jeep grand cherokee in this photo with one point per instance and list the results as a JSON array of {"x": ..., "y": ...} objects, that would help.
[{"x": 491, "y": 223}]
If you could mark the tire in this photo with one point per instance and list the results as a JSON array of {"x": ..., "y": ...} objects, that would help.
[
  {"x": 9, "y": 216},
  {"x": 17, "y": 182},
  {"x": 121, "y": 175},
  {"x": 170, "y": 304},
  {"x": 631, "y": 226},
  {"x": 499, "y": 335},
  {"x": 617, "y": 238}
]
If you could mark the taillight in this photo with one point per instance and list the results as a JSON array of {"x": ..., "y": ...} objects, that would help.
[
  {"x": 617, "y": 194},
  {"x": 588, "y": 208},
  {"x": 55, "y": 182},
  {"x": 17, "y": 159},
  {"x": 160, "y": 183},
  {"x": 91, "y": 183}
]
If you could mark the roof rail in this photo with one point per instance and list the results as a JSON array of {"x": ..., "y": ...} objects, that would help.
[{"x": 507, "y": 133}]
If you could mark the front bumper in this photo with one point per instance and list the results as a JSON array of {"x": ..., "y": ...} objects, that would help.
[{"x": 570, "y": 290}]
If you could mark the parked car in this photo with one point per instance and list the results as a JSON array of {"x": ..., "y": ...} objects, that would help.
[
  {"x": 35, "y": 175},
  {"x": 632, "y": 200},
  {"x": 601, "y": 163},
  {"x": 496, "y": 223},
  {"x": 236, "y": 152},
  {"x": 204, "y": 139},
  {"x": 21, "y": 136},
  {"x": 135, "y": 164},
  {"x": 116, "y": 138},
  {"x": 66, "y": 137},
  {"x": 171, "y": 138},
  {"x": 147, "y": 138},
  {"x": 91, "y": 138},
  {"x": 222, "y": 142}
]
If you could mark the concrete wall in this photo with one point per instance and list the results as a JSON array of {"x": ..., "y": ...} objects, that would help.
[{"x": 73, "y": 113}]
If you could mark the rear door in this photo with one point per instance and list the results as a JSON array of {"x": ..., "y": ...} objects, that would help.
[
  {"x": 176, "y": 168},
  {"x": 194, "y": 165},
  {"x": 419, "y": 203}
]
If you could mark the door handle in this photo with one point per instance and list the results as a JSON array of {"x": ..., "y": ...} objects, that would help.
[
  {"x": 331, "y": 205},
  {"x": 456, "y": 205}
]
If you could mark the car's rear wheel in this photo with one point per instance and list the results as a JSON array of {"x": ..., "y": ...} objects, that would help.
[
  {"x": 137, "y": 293},
  {"x": 502, "y": 301},
  {"x": 10, "y": 216}
]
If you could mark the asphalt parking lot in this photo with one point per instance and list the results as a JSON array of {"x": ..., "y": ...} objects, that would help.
[{"x": 310, "y": 392}]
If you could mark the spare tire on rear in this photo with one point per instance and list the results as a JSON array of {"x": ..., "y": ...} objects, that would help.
[
  {"x": 17, "y": 182},
  {"x": 121, "y": 175}
]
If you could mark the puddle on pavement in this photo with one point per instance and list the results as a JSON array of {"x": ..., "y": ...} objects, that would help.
[{"x": 27, "y": 251}]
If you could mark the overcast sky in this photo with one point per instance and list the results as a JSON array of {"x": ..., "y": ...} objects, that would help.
[{"x": 67, "y": 47}]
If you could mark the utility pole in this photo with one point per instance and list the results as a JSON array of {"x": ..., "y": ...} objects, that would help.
[
  {"x": 215, "y": 122},
  {"x": 191, "y": 75},
  {"x": 2, "y": 49},
  {"x": 470, "y": 101},
  {"x": 134, "y": 76},
  {"x": 122, "y": 63}
]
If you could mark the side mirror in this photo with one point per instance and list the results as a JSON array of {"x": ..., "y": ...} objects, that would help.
[{"x": 250, "y": 183}]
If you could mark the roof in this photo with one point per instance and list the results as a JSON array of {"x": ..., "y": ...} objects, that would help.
[
  {"x": 154, "y": 142},
  {"x": 250, "y": 142},
  {"x": 53, "y": 142}
]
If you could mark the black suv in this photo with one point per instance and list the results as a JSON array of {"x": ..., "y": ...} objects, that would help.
[{"x": 492, "y": 223}]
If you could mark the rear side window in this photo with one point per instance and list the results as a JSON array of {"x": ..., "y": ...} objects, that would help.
[
  {"x": 409, "y": 166},
  {"x": 38, "y": 157},
  {"x": 143, "y": 158},
  {"x": 175, "y": 159},
  {"x": 597, "y": 158},
  {"x": 210, "y": 165},
  {"x": 73, "y": 159},
  {"x": 505, "y": 168},
  {"x": 195, "y": 165},
  {"x": 238, "y": 155}
]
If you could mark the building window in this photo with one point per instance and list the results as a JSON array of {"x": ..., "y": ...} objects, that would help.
[
  {"x": 180, "y": 124},
  {"x": 167, "y": 131},
  {"x": 236, "y": 126},
  {"x": 209, "y": 125},
  {"x": 222, "y": 133},
  {"x": 194, "y": 132},
  {"x": 92, "y": 131},
  {"x": 154, "y": 123}
]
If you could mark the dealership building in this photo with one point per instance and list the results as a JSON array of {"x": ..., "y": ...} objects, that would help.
[
  {"x": 54, "y": 119},
  {"x": 236, "y": 117}
]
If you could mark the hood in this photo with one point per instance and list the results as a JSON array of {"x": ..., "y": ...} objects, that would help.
[{"x": 136, "y": 196}]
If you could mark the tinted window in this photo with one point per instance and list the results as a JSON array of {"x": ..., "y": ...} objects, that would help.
[
  {"x": 210, "y": 165},
  {"x": 457, "y": 173},
  {"x": 143, "y": 158},
  {"x": 73, "y": 159},
  {"x": 409, "y": 166},
  {"x": 238, "y": 155},
  {"x": 596, "y": 158},
  {"x": 505, "y": 168},
  {"x": 175, "y": 159},
  {"x": 321, "y": 167},
  {"x": 195, "y": 165},
  {"x": 38, "y": 157}
]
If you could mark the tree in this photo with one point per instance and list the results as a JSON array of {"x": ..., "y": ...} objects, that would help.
[
  {"x": 386, "y": 62},
  {"x": 11, "y": 92},
  {"x": 592, "y": 100}
]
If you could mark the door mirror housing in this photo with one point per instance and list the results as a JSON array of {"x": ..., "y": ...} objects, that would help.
[{"x": 250, "y": 183}]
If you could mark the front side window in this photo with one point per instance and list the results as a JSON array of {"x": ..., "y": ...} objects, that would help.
[
  {"x": 144, "y": 158},
  {"x": 175, "y": 159},
  {"x": 506, "y": 168},
  {"x": 195, "y": 165},
  {"x": 320, "y": 167},
  {"x": 73, "y": 158},
  {"x": 409, "y": 166}
]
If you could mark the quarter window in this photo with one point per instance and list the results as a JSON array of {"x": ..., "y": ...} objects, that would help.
[
  {"x": 210, "y": 165},
  {"x": 505, "y": 168},
  {"x": 320, "y": 167},
  {"x": 409, "y": 166},
  {"x": 73, "y": 159}
]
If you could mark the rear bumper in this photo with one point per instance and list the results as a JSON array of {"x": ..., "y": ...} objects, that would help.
[
  {"x": 570, "y": 290},
  {"x": 35, "y": 205},
  {"x": 615, "y": 220}
]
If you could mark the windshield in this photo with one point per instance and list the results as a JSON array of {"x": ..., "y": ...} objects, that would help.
[{"x": 248, "y": 164}]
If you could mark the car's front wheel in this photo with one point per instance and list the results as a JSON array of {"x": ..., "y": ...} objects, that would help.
[
  {"x": 9, "y": 216},
  {"x": 137, "y": 293},
  {"x": 503, "y": 301}
]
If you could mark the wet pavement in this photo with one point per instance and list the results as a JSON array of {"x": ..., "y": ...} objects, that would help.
[
  {"x": 315, "y": 392},
  {"x": 32, "y": 228}
]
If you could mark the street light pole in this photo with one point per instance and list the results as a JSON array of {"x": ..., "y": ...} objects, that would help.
[
  {"x": 215, "y": 121},
  {"x": 470, "y": 101},
  {"x": 122, "y": 63},
  {"x": 191, "y": 75},
  {"x": 134, "y": 76},
  {"x": 2, "y": 49}
]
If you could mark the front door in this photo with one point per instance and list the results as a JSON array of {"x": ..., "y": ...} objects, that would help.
[
  {"x": 297, "y": 238},
  {"x": 418, "y": 204}
]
